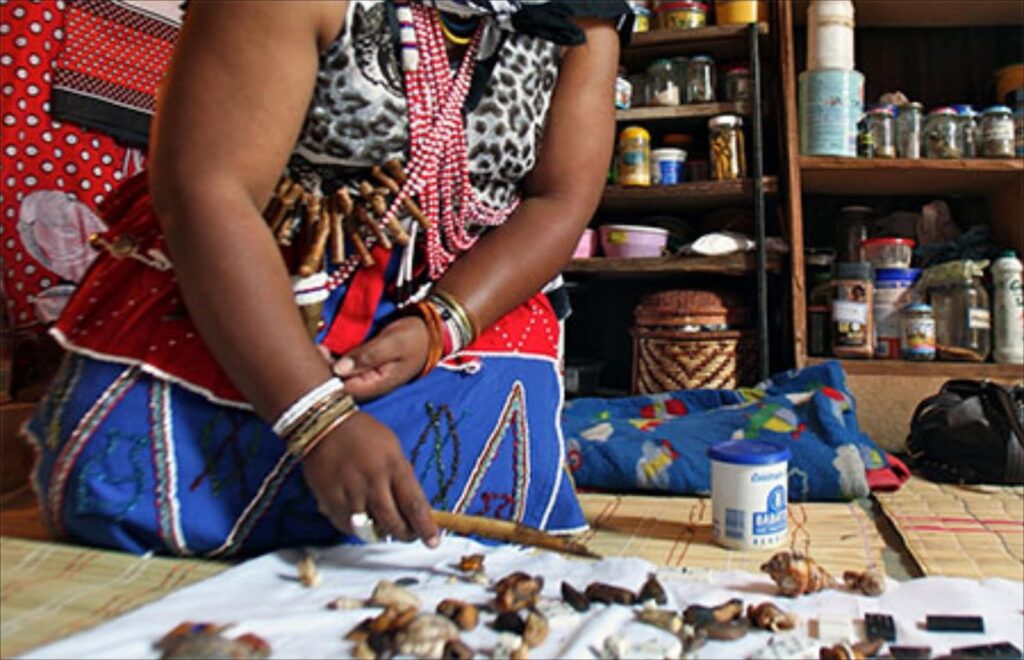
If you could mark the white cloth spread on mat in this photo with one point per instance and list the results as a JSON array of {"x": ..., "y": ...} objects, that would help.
[{"x": 262, "y": 596}]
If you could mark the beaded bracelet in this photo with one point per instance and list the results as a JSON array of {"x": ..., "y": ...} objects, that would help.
[{"x": 307, "y": 400}]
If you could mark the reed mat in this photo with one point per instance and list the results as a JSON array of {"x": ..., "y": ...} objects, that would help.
[
  {"x": 960, "y": 531},
  {"x": 676, "y": 531},
  {"x": 49, "y": 590}
]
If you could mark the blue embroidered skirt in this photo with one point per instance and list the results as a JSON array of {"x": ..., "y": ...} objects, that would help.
[{"x": 130, "y": 461}]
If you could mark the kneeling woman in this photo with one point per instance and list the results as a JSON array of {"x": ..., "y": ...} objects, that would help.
[{"x": 324, "y": 299}]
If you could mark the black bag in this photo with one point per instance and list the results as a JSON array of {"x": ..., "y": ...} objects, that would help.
[{"x": 970, "y": 432}]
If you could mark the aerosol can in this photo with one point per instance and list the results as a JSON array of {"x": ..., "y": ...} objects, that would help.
[{"x": 1008, "y": 305}]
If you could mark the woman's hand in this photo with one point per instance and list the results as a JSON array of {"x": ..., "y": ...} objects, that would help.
[
  {"x": 391, "y": 359},
  {"x": 360, "y": 468}
]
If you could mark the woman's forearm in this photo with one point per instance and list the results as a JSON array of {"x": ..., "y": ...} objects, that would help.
[{"x": 238, "y": 294}]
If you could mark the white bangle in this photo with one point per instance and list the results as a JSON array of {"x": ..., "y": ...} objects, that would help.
[{"x": 305, "y": 402}]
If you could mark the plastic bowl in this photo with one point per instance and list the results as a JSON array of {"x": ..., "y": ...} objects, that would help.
[
  {"x": 633, "y": 241},
  {"x": 888, "y": 252},
  {"x": 587, "y": 245}
]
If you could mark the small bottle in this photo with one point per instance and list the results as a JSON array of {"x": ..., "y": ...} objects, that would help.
[
  {"x": 853, "y": 327},
  {"x": 725, "y": 138},
  {"x": 1008, "y": 307},
  {"x": 940, "y": 134},
  {"x": 738, "y": 85},
  {"x": 700, "y": 79},
  {"x": 966, "y": 130},
  {"x": 996, "y": 132},
  {"x": 819, "y": 315},
  {"x": 634, "y": 157},
  {"x": 664, "y": 83},
  {"x": 880, "y": 126},
  {"x": 908, "y": 130},
  {"x": 917, "y": 332}
]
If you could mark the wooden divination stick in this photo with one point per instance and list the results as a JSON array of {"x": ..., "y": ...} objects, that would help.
[{"x": 509, "y": 532}]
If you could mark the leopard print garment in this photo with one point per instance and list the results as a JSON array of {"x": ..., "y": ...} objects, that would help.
[{"x": 357, "y": 117}]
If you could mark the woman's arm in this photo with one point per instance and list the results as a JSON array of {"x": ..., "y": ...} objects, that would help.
[
  {"x": 230, "y": 112},
  {"x": 512, "y": 262}
]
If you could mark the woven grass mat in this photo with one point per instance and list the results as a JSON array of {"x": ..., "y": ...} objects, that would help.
[
  {"x": 48, "y": 590},
  {"x": 960, "y": 531},
  {"x": 676, "y": 531}
]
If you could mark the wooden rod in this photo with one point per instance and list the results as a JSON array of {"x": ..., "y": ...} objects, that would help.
[{"x": 509, "y": 532}]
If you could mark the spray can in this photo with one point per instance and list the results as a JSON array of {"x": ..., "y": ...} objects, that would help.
[{"x": 1009, "y": 309}]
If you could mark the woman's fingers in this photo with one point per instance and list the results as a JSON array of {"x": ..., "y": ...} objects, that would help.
[
  {"x": 384, "y": 512},
  {"x": 414, "y": 506}
]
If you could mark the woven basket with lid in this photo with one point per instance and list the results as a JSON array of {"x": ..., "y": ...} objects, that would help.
[{"x": 669, "y": 355}]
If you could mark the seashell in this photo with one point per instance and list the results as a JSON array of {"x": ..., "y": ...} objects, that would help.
[
  {"x": 797, "y": 574},
  {"x": 665, "y": 619},
  {"x": 389, "y": 594},
  {"x": 869, "y": 583},
  {"x": 471, "y": 563},
  {"x": 463, "y": 614},
  {"x": 346, "y": 603},
  {"x": 700, "y": 616},
  {"x": 574, "y": 598},
  {"x": 426, "y": 636},
  {"x": 309, "y": 575},
  {"x": 599, "y": 592},
  {"x": 536, "y": 630},
  {"x": 768, "y": 616},
  {"x": 517, "y": 591},
  {"x": 652, "y": 590},
  {"x": 456, "y": 649}
]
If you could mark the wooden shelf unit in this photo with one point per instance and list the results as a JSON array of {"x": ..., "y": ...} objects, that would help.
[
  {"x": 687, "y": 111},
  {"x": 653, "y": 267},
  {"x": 935, "y": 369},
  {"x": 898, "y": 176},
  {"x": 719, "y": 41},
  {"x": 683, "y": 196}
]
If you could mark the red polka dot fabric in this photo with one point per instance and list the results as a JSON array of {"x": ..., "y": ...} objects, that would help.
[{"x": 41, "y": 155}]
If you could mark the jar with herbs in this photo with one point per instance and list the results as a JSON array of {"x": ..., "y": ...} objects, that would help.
[
  {"x": 940, "y": 134},
  {"x": 681, "y": 15},
  {"x": 633, "y": 167},
  {"x": 725, "y": 137},
  {"x": 700, "y": 79},
  {"x": 908, "y": 130},
  {"x": 853, "y": 298},
  {"x": 880, "y": 125},
  {"x": 966, "y": 130},
  {"x": 996, "y": 131},
  {"x": 739, "y": 86},
  {"x": 664, "y": 83},
  {"x": 963, "y": 324}
]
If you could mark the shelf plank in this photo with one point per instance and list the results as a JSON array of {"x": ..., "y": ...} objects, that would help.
[
  {"x": 648, "y": 267},
  {"x": 928, "y": 13},
  {"x": 900, "y": 368},
  {"x": 681, "y": 112},
  {"x": 720, "y": 41},
  {"x": 899, "y": 176},
  {"x": 683, "y": 196}
]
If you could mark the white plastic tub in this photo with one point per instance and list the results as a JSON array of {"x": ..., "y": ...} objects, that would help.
[{"x": 749, "y": 494}]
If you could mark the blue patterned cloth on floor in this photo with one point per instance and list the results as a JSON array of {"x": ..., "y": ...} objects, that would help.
[{"x": 660, "y": 442}]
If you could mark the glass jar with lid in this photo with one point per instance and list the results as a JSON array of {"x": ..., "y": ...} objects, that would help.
[
  {"x": 739, "y": 86},
  {"x": 963, "y": 326},
  {"x": 940, "y": 134},
  {"x": 700, "y": 79},
  {"x": 880, "y": 125},
  {"x": 908, "y": 130},
  {"x": 997, "y": 132},
  {"x": 917, "y": 332},
  {"x": 966, "y": 130},
  {"x": 725, "y": 140},
  {"x": 664, "y": 83}
]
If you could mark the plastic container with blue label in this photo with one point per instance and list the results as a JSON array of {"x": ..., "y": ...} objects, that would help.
[
  {"x": 749, "y": 494},
  {"x": 831, "y": 103}
]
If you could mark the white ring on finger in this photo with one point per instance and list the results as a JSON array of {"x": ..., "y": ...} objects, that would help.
[{"x": 363, "y": 527}]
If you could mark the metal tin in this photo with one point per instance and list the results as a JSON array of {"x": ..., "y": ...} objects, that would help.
[{"x": 831, "y": 102}]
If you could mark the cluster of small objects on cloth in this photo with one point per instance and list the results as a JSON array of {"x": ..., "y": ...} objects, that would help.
[{"x": 523, "y": 618}]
